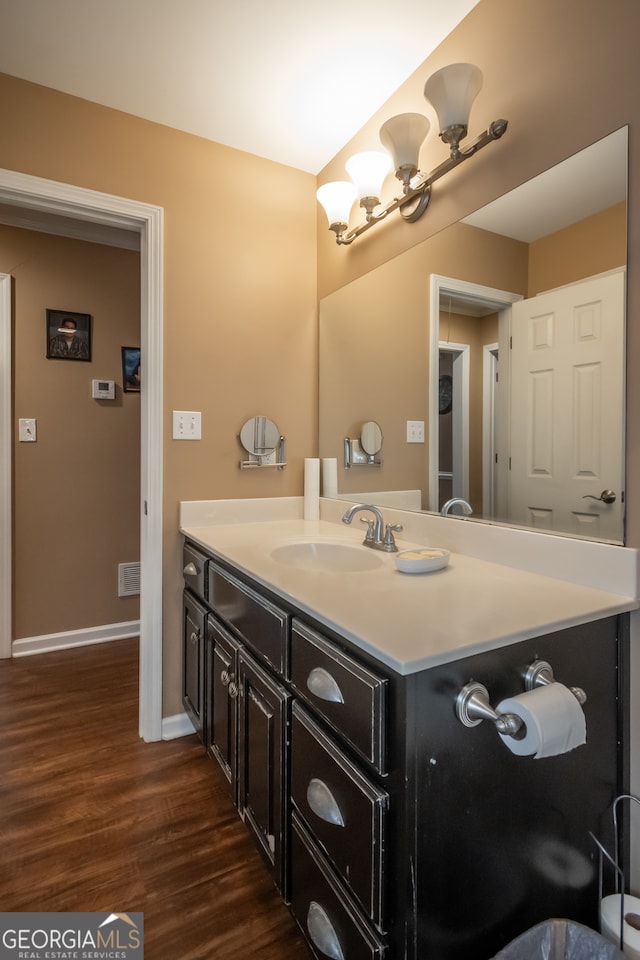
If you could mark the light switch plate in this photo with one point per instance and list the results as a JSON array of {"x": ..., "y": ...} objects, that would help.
[
  {"x": 27, "y": 430},
  {"x": 187, "y": 425}
]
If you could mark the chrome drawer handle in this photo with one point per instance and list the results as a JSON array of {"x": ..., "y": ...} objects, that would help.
[
  {"x": 190, "y": 570},
  {"x": 322, "y": 684},
  {"x": 323, "y": 803},
  {"x": 322, "y": 932}
]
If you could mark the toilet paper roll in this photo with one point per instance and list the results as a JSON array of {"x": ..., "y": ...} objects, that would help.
[
  {"x": 610, "y": 923},
  {"x": 311, "y": 505},
  {"x": 553, "y": 718},
  {"x": 329, "y": 477}
]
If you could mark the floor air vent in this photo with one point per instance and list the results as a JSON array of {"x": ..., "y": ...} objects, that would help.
[{"x": 128, "y": 579}]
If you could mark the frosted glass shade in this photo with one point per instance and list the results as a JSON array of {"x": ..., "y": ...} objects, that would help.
[
  {"x": 403, "y": 136},
  {"x": 337, "y": 198},
  {"x": 368, "y": 171},
  {"x": 451, "y": 91}
]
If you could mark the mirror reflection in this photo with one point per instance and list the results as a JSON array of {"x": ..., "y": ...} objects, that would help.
[{"x": 504, "y": 334}]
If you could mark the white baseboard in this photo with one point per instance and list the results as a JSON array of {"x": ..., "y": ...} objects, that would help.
[
  {"x": 27, "y": 646},
  {"x": 179, "y": 725}
]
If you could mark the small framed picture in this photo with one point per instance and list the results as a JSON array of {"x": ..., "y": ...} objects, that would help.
[
  {"x": 68, "y": 335},
  {"x": 131, "y": 369}
]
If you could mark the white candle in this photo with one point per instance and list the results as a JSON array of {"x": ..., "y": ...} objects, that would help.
[
  {"x": 311, "y": 506},
  {"x": 329, "y": 477}
]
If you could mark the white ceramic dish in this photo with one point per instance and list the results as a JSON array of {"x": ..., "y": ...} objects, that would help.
[{"x": 422, "y": 560}]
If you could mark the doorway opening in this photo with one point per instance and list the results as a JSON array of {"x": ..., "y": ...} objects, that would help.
[
  {"x": 448, "y": 293},
  {"x": 453, "y": 421},
  {"x": 66, "y": 206}
]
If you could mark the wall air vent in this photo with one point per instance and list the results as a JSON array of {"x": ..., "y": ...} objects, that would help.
[{"x": 129, "y": 579}]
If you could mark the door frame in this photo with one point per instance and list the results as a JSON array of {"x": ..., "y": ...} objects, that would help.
[
  {"x": 26, "y": 192},
  {"x": 498, "y": 300},
  {"x": 490, "y": 355}
]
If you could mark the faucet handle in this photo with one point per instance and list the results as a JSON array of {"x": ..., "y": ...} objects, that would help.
[
  {"x": 389, "y": 539},
  {"x": 370, "y": 525}
]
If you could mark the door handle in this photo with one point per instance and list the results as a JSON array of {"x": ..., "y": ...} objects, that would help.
[{"x": 607, "y": 496}]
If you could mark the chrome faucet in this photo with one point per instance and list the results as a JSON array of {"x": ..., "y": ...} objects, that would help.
[
  {"x": 465, "y": 507},
  {"x": 374, "y": 536}
]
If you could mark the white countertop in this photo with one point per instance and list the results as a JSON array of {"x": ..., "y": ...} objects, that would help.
[{"x": 409, "y": 622}]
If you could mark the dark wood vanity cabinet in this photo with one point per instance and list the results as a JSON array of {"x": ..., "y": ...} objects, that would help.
[{"x": 392, "y": 830}]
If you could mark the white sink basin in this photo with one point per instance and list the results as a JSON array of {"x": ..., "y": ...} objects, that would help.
[{"x": 324, "y": 556}]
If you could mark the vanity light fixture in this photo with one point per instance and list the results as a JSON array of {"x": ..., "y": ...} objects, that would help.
[{"x": 451, "y": 91}]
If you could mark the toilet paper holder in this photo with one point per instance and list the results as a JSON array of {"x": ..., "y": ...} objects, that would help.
[{"x": 473, "y": 704}]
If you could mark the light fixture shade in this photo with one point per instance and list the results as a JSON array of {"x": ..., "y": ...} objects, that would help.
[
  {"x": 337, "y": 198},
  {"x": 368, "y": 171},
  {"x": 451, "y": 91},
  {"x": 403, "y": 136}
]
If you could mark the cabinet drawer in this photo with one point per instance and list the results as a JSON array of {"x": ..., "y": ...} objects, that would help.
[
  {"x": 349, "y": 696},
  {"x": 332, "y": 924},
  {"x": 194, "y": 569},
  {"x": 344, "y": 810},
  {"x": 262, "y": 625}
]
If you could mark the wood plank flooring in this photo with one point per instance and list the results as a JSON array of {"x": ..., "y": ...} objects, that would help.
[{"x": 93, "y": 818}]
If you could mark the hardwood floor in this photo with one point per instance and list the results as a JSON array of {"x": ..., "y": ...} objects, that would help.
[{"x": 93, "y": 818}]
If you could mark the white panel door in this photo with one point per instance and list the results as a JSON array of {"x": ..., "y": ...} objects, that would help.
[{"x": 567, "y": 388}]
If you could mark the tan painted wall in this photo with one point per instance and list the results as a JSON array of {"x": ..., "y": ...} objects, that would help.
[
  {"x": 240, "y": 293},
  {"x": 592, "y": 246},
  {"x": 77, "y": 488}
]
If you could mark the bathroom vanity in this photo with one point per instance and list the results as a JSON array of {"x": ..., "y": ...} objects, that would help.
[{"x": 327, "y": 700}]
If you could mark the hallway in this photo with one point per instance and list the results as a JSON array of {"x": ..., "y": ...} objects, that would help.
[{"x": 94, "y": 819}]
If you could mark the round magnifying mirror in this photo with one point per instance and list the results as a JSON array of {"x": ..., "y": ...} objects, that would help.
[
  {"x": 371, "y": 438},
  {"x": 259, "y": 436}
]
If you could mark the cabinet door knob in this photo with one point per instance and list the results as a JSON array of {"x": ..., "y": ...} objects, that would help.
[
  {"x": 322, "y": 932},
  {"x": 225, "y": 678},
  {"x": 195, "y": 636},
  {"x": 323, "y": 803},
  {"x": 190, "y": 570},
  {"x": 321, "y": 683},
  {"x": 233, "y": 689}
]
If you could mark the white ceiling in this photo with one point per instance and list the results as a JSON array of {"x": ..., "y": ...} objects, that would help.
[
  {"x": 592, "y": 180},
  {"x": 288, "y": 80}
]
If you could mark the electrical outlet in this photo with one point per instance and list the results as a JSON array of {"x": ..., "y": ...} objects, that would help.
[
  {"x": 415, "y": 431},
  {"x": 187, "y": 425}
]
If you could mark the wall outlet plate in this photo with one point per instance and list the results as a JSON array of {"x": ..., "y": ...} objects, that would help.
[{"x": 415, "y": 431}]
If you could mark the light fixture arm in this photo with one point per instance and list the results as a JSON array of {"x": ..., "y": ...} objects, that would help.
[{"x": 415, "y": 200}]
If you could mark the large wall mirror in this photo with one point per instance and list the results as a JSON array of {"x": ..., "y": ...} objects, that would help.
[{"x": 516, "y": 318}]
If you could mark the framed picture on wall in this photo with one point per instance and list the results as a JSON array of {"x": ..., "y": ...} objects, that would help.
[
  {"x": 68, "y": 335},
  {"x": 131, "y": 369}
]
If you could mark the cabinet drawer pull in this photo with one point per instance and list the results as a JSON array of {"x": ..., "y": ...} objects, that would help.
[
  {"x": 195, "y": 636},
  {"x": 322, "y": 932},
  {"x": 321, "y": 683},
  {"x": 323, "y": 803},
  {"x": 190, "y": 570},
  {"x": 225, "y": 678},
  {"x": 233, "y": 689}
]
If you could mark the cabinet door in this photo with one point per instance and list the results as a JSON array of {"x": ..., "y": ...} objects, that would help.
[
  {"x": 262, "y": 729},
  {"x": 193, "y": 662},
  {"x": 222, "y": 686}
]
